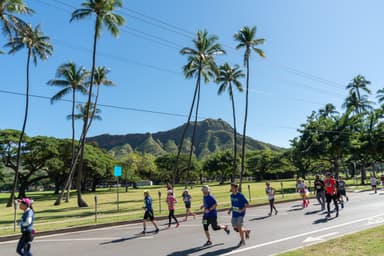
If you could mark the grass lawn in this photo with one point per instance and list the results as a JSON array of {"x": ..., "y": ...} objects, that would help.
[
  {"x": 365, "y": 243},
  {"x": 66, "y": 215}
]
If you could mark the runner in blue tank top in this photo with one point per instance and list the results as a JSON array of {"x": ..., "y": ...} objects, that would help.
[{"x": 239, "y": 205}]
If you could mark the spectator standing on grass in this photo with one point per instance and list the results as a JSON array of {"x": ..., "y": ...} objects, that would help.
[
  {"x": 270, "y": 191},
  {"x": 148, "y": 215},
  {"x": 171, "y": 200},
  {"x": 331, "y": 193},
  {"x": 239, "y": 206},
  {"x": 320, "y": 191},
  {"x": 26, "y": 227},
  {"x": 210, "y": 214},
  {"x": 187, "y": 198},
  {"x": 374, "y": 183}
]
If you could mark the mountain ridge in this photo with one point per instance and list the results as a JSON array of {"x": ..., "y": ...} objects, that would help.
[{"x": 211, "y": 135}]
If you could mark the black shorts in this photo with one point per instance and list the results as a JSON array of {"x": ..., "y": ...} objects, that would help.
[
  {"x": 210, "y": 221},
  {"x": 148, "y": 215},
  {"x": 187, "y": 205},
  {"x": 342, "y": 192}
]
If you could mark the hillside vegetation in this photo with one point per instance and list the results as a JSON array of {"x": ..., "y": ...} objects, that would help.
[{"x": 211, "y": 135}]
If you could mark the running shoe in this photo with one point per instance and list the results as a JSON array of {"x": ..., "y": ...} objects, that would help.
[
  {"x": 157, "y": 230},
  {"x": 247, "y": 232},
  {"x": 177, "y": 225},
  {"x": 226, "y": 229},
  {"x": 241, "y": 243},
  {"x": 207, "y": 243},
  {"x": 143, "y": 232}
]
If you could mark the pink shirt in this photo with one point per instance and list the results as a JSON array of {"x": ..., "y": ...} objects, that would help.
[{"x": 171, "y": 200}]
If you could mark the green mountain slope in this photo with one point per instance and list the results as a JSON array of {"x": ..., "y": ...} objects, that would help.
[{"x": 211, "y": 135}]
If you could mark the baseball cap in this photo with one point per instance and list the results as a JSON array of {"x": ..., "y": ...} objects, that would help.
[
  {"x": 205, "y": 188},
  {"x": 25, "y": 201}
]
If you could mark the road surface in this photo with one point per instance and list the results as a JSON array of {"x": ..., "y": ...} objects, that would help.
[{"x": 292, "y": 227}]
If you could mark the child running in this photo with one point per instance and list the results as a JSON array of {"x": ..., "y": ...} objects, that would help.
[
  {"x": 187, "y": 198},
  {"x": 148, "y": 212},
  {"x": 171, "y": 200},
  {"x": 210, "y": 214}
]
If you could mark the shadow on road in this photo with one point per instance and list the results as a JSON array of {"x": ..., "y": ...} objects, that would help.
[
  {"x": 313, "y": 212},
  {"x": 260, "y": 218},
  {"x": 123, "y": 239},
  {"x": 193, "y": 250},
  {"x": 220, "y": 252}
]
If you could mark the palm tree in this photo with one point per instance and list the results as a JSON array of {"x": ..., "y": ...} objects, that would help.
[
  {"x": 103, "y": 10},
  {"x": 227, "y": 76},
  {"x": 328, "y": 110},
  {"x": 380, "y": 97},
  {"x": 38, "y": 46},
  {"x": 72, "y": 79},
  {"x": 359, "y": 101},
  {"x": 201, "y": 64},
  {"x": 246, "y": 39},
  {"x": 9, "y": 22},
  {"x": 100, "y": 78}
]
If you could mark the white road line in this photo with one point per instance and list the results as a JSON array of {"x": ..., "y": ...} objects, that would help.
[{"x": 300, "y": 235}]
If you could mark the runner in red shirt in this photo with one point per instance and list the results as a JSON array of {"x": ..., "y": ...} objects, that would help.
[{"x": 331, "y": 193}]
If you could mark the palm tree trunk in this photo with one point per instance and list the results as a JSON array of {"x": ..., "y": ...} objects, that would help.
[
  {"x": 244, "y": 128},
  {"x": 73, "y": 144},
  {"x": 194, "y": 129},
  {"x": 234, "y": 138},
  {"x": 80, "y": 200},
  {"x": 14, "y": 185},
  {"x": 183, "y": 136}
]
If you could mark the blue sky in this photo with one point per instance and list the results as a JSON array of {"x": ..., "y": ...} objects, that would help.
[{"x": 313, "y": 49}]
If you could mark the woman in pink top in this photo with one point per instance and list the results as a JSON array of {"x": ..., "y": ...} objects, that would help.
[{"x": 171, "y": 200}]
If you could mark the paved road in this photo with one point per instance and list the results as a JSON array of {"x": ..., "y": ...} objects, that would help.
[{"x": 293, "y": 227}]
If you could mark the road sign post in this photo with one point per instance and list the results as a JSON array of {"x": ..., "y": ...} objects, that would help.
[{"x": 117, "y": 173}]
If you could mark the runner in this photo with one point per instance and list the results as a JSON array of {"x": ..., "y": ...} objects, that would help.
[
  {"x": 303, "y": 191},
  {"x": 171, "y": 200},
  {"x": 374, "y": 183},
  {"x": 270, "y": 191},
  {"x": 239, "y": 206},
  {"x": 210, "y": 214},
  {"x": 26, "y": 227},
  {"x": 320, "y": 191},
  {"x": 331, "y": 193},
  {"x": 187, "y": 198},
  {"x": 341, "y": 191},
  {"x": 148, "y": 212}
]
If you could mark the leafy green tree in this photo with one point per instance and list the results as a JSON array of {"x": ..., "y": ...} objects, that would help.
[
  {"x": 98, "y": 168},
  {"x": 227, "y": 77},
  {"x": 104, "y": 16},
  {"x": 201, "y": 65},
  {"x": 246, "y": 39},
  {"x": 39, "y": 151},
  {"x": 71, "y": 79},
  {"x": 220, "y": 163},
  {"x": 38, "y": 46}
]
